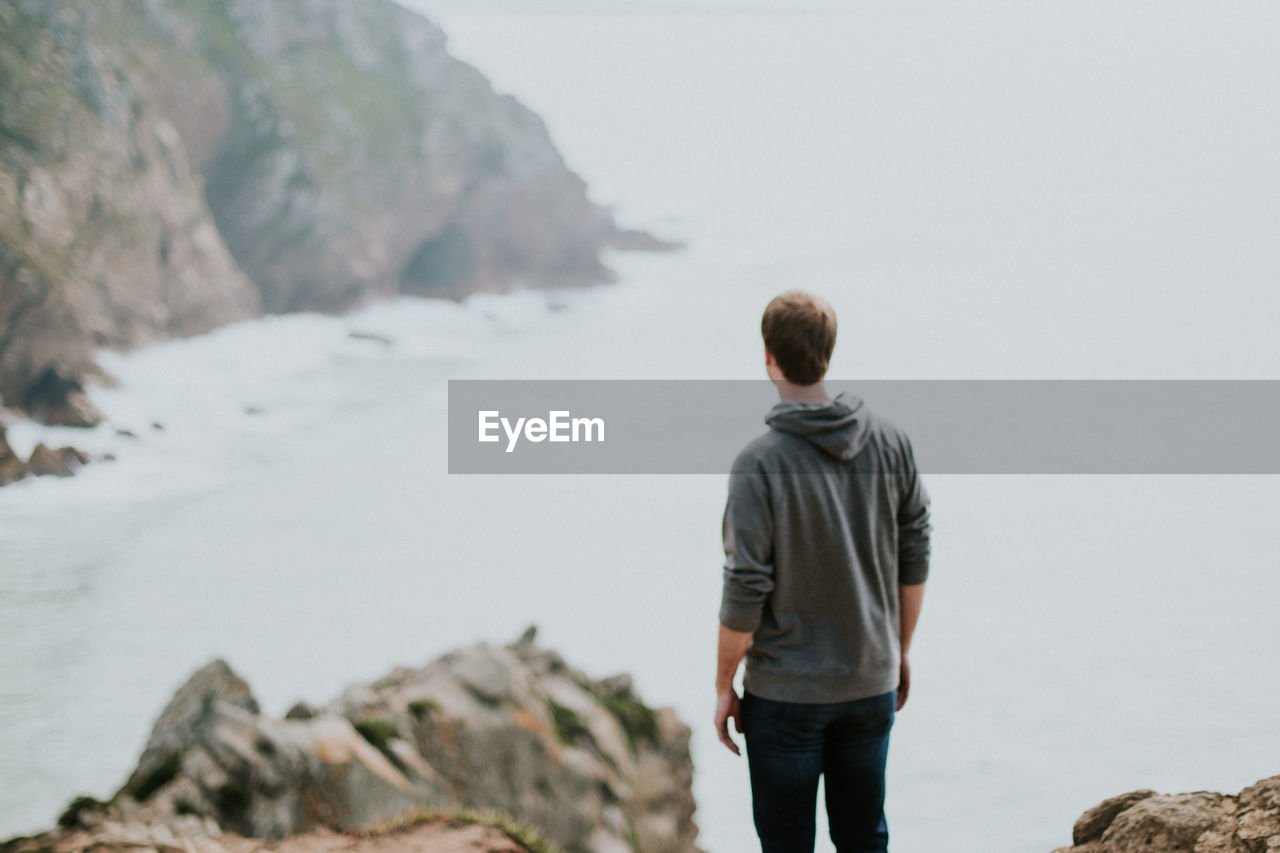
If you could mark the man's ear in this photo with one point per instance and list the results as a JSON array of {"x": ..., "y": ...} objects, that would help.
[{"x": 771, "y": 368}]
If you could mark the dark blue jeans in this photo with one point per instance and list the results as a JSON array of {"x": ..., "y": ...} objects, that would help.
[{"x": 790, "y": 744}]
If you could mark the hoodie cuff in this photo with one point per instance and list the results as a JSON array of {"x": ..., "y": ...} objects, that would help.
[
  {"x": 910, "y": 574},
  {"x": 736, "y": 617}
]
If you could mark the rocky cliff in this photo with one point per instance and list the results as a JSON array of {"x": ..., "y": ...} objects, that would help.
[
  {"x": 458, "y": 831},
  {"x": 487, "y": 730},
  {"x": 1147, "y": 822},
  {"x": 167, "y": 166}
]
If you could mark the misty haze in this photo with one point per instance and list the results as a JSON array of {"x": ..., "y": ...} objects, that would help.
[{"x": 244, "y": 246}]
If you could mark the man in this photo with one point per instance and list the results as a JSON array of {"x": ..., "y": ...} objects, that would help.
[{"x": 826, "y": 538}]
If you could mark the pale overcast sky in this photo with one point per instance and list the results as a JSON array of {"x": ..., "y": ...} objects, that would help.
[{"x": 447, "y": 7}]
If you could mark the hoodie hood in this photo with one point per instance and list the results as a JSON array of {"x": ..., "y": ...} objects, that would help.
[{"x": 838, "y": 426}]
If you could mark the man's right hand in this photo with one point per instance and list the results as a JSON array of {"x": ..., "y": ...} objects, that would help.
[
  {"x": 911, "y": 597},
  {"x": 904, "y": 682},
  {"x": 728, "y": 705}
]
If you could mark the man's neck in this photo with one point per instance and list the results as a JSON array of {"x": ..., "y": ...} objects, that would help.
[{"x": 815, "y": 393}]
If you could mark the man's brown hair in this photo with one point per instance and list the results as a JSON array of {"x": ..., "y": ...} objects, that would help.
[{"x": 800, "y": 330}]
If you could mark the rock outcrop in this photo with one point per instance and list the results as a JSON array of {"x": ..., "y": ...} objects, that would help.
[
  {"x": 512, "y": 729},
  {"x": 45, "y": 461},
  {"x": 105, "y": 237},
  {"x": 12, "y": 466},
  {"x": 427, "y": 832},
  {"x": 1200, "y": 822},
  {"x": 167, "y": 166},
  {"x": 57, "y": 398}
]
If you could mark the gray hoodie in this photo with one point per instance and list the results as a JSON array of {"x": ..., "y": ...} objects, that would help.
[{"x": 826, "y": 516}]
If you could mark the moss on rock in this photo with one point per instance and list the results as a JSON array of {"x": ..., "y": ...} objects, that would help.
[
  {"x": 377, "y": 732},
  {"x": 157, "y": 777},
  {"x": 639, "y": 722},
  {"x": 570, "y": 727},
  {"x": 70, "y": 816}
]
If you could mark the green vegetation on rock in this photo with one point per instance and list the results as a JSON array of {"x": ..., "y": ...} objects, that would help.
[
  {"x": 423, "y": 708},
  {"x": 232, "y": 798},
  {"x": 524, "y": 834},
  {"x": 569, "y": 724},
  {"x": 70, "y": 816},
  {"x": 36, "y": 101},
  {"x": 377, "y": 731},
  {"x": 218, "y": 39},
  {"x": 345, "y": 115},
  {"x": 158, "y": 776},
  {"x": 639, "y": 721}
]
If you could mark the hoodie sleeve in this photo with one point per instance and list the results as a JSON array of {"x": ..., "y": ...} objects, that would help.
[
  {"x": 748, "y": 549},
  {"x": 913, "y": 523}
]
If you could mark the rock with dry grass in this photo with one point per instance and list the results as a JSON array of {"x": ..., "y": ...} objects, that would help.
[
  {"x": 1201, "y": 822},
  {"x": 510, "y": 738}
]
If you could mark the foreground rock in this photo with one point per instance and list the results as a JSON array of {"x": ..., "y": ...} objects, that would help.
[
  {"x": 12, "y": 466},
  {"x": 450, "y": 833},
  {"x": 511, "y": 728},
  {"x": 1201, "y": 822},
  {"x": 168, "y": 166}
]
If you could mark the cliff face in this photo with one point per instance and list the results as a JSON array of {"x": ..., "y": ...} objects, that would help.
[
  {"x": 354, "y": 154},
  {"x": 105, "y": 239},
  {"x": 167, "y": 166},
  {"x": 510, "y": 728},
  {"x": 1144, "y": 821}
]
